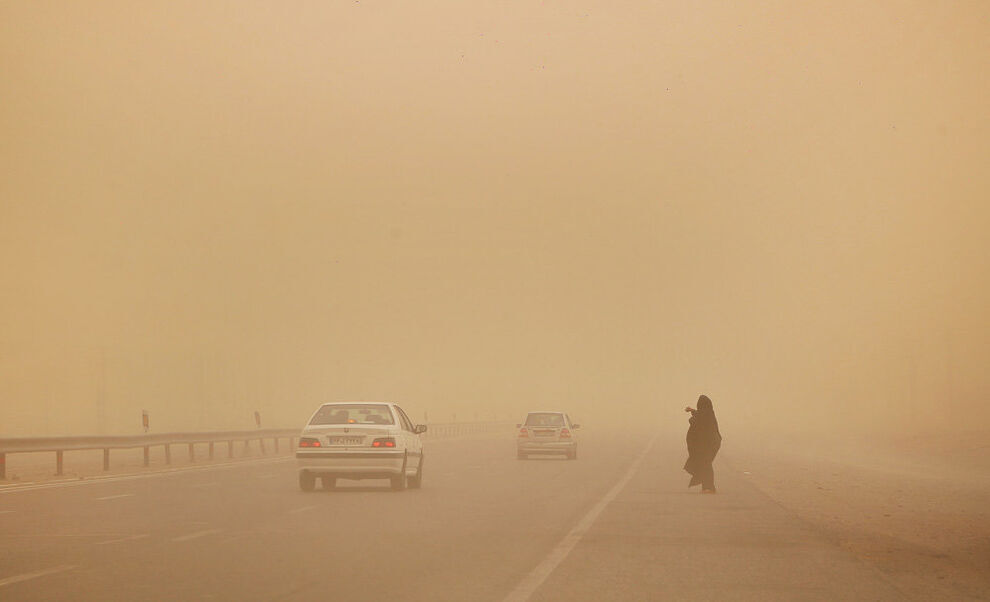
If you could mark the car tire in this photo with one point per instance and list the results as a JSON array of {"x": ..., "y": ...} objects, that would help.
[
  {"x": 400, "y": 481},
  {"x": 329, "y": 482},
  {"x": 417, "y": 481},
  {"x": 521, "y": 456},
  {"x": 307, "y": 482}
]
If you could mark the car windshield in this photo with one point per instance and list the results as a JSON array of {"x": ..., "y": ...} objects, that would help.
[
  {"x": 353, "y": 413},
  {"x": 545, "y": 419}
]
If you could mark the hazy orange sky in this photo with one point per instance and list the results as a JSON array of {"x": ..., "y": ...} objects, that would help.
[{"x": 208, "y": 208}]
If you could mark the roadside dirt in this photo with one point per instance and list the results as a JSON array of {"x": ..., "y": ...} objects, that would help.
[{"x": 917, "y": 509}]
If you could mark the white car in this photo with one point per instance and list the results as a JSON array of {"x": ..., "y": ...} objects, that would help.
[
  {"x": 360, "y": 441},
  {"x": 546, "y": 433}
]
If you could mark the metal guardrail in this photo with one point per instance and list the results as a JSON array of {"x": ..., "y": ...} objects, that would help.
[{"x": 60, "y": 445}]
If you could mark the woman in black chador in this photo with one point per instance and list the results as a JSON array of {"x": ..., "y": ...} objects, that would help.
[{"x": 703, "y": 441}]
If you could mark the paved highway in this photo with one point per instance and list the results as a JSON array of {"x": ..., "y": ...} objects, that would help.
[{"x": 617, "y": 524}]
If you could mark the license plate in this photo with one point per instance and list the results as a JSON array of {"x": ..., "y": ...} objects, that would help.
[
  {"x": 545, "y": 433},
  {"x": 346, "y": 440}
]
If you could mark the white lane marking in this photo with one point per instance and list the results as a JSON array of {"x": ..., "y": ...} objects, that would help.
[
  {"x": 121, "y": 539},
  {"x": 147, "y": 475},
  {"x": 6, "y": 511},
  {"x": 36, "y": 574},
  {"x": 115, "y": 497},
  {"x": 528, "y": 586},
  {"x": 303, "y": 509},
  {"x": 196, "y": 535}
]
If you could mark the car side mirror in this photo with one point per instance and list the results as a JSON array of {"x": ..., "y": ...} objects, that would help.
[
  {"x": 419, "y": 429},
  {"x": 575, "y": 426}
]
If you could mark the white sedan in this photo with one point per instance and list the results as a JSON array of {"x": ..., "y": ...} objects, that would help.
[
  {"x": 360, "y": 441},
  {"x": 546, "y": 433}
]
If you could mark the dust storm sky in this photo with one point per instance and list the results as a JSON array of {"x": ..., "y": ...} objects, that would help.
[{"x": 480, "y": 208}]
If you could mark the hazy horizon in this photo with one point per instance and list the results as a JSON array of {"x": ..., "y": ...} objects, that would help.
[{"x": 478, "y": 210}]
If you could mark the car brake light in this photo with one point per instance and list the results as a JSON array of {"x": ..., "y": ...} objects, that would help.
[
  {"x": 523, "y": 432},
  {"x": 309, "y": 442},
  {"x": 565, "y": 434},
  {"x": 383, "y": 442}
]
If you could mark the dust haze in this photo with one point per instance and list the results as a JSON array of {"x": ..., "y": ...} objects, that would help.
[
  {"x": 478, "y": 209},
  {"x": 211, "y": 209}
]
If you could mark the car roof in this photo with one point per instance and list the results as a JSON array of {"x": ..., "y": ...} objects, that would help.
[{"x": 546, "y": 412}]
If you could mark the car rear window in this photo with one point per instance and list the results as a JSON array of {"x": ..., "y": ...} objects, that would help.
[
  {"x": 353, "y": 413},
  {"x": 545, "y": 419}
]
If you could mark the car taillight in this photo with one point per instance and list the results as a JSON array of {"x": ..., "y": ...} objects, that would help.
[
  {"x": 523, "y": 432},
  {"x": 383, "y": 442},
  {"x": 565, "y": 434},
  {"x": 309, "y": 442}
]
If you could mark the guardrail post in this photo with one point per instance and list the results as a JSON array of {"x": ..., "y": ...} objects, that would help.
[
  {"x": 58, "y": 463},
  {"x": 211, "y": 450},
  {"x": 192, "y": 453},
  {"x": 3, "y": 466},
  {"x": 147, "y": 455},
  {"x": 275, "y": 439},
  {"x": 106, "y": 458},
  {"x": 261, "y": 444},
  {"x": 168, "y": 453},
  {"x": 230, "y": 449}
]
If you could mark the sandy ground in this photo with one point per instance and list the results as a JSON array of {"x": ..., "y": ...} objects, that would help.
[{"x": 917, "y": 508}]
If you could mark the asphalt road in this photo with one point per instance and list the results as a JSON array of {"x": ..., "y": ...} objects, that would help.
[{"x": 617, "y": 524}]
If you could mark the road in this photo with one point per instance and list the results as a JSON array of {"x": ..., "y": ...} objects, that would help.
[{"x": 617, "y": 524}]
